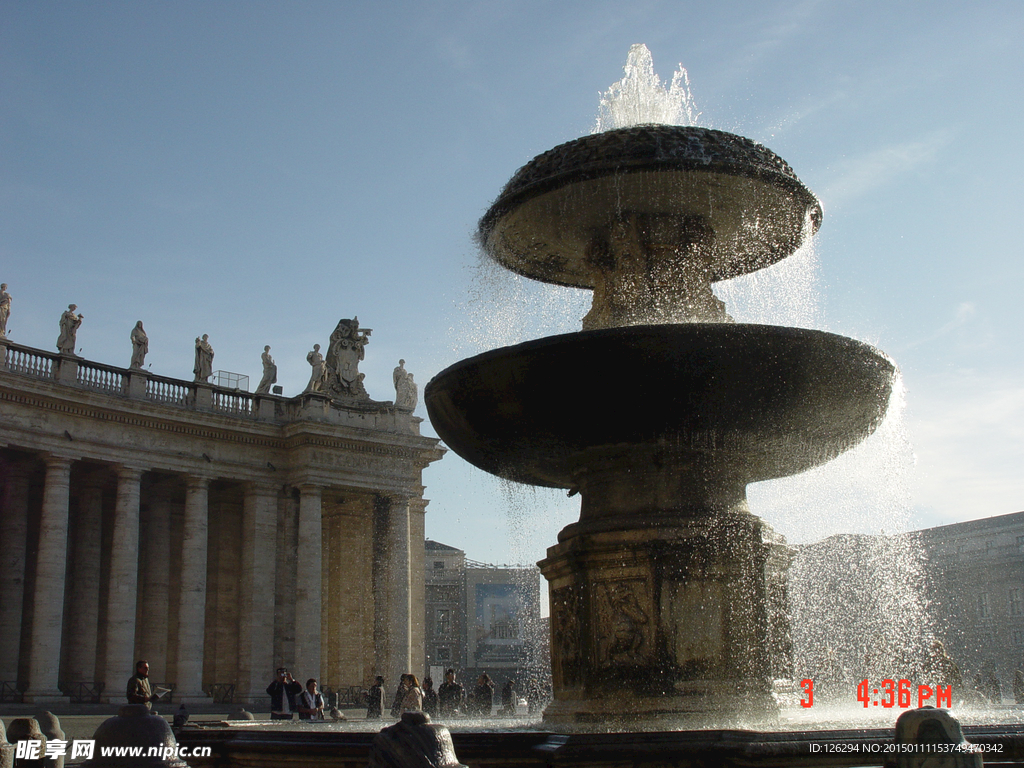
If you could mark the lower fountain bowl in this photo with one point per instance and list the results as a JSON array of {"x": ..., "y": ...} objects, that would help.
[{"x": 753, "y": 401}]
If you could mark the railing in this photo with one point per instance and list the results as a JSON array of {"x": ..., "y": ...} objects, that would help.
[
  {"x": 238, "y": 403},
  {"x": 9, "y": 692},
  {"x": 29, "y": 361},
  {"x": 136, "y": 384},
  {"x": 84, "y": 692},
  {"x": 105, "y": 378},
  {"x": 168, "y": 391},
  {"x": 221, "y": 693}
]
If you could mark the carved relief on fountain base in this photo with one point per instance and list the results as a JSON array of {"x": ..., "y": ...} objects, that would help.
[{"x": 667, "y": 624}]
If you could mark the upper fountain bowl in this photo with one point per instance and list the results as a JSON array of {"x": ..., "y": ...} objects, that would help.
[{"x": 546, "y": 220}]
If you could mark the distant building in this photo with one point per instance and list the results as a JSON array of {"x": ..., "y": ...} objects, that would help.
[
  {"x": 975, "y": 585},
  {"x": 482, "y": 618},
  {"x": 870, "y": 605}
]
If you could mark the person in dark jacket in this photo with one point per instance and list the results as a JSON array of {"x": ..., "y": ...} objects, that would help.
[
  {"x": 508, "y": 698},
  {"x": 375, "y": 701},
  {"x": 451, "y": 696},
  {"x": 430, "y": 700},
  {"x": 482, "y": 698},
  {"x": 282, "y": 692}
]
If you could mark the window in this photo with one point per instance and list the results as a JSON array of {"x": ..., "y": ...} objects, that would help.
[
  {"x": 439, "y": 565},
  {"x": 989, "y": 546},
  {"x": 444, "y": 654},
  {"x": 442, "y": 622},
  {"x": 1015, "y": 605},
  {"x": 1020, "y": 543},
  {"x": 983, "y": 609}
]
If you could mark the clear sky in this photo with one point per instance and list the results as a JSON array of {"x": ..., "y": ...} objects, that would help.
[{"x": 258, "y": 170}]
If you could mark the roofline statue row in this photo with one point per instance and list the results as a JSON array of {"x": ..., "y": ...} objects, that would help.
[{"x": 336, "y": 376}]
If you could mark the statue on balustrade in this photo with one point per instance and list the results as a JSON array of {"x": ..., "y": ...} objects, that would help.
[
  {"x": 318, "y": 376},
  {"x": 269, "y": 372},
  {"x": 69, "y": 323},
  {"x": 203, "y": 368},
  {"x": 140, "y": 346},
  {"x": 346, "y": 350},
  {"x": 406, "y": 391},
  {"x": 5, "y": 309}
]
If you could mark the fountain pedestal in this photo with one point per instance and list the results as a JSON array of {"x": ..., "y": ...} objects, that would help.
[{"x": 666, "y": 621}]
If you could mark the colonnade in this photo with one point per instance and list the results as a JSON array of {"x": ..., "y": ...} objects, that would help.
[{"x": 213, "y": 580}]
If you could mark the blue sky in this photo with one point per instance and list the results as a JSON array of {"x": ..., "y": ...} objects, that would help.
[{"x": 256, "y": 171}]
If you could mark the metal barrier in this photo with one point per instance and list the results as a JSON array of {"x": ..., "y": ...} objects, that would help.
[
  {"x": 222, "y": 693},
  {"x": 9, "y": 692},
  {"x": 84, "y": 692}
]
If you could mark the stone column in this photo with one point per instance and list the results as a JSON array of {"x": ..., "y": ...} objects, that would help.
[
  {"x": 308, "y": 587},
  {"x": 258, "y": 579},
  {"x": 123, "y": 585},
  {"x": 84, "y": 606},
  {"x": 399, "y": 581},
  {"x": 13, "y": 532},
  {"x": 48, "y": 599},
  {"x": 155, "y": 583},
  {"x": 192, "y": 605}
]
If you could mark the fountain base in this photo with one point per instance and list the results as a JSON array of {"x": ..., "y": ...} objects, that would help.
[{"x": 681, "y": 622}]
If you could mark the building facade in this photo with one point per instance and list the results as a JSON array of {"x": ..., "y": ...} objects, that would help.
[
  {"x": 482, "y": 618},
  {"x": 216, "y": 533},
  {"x": 975, "y": 587}
]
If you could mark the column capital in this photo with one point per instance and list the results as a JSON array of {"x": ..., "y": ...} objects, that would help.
[
  {"x": 197, "y": 482},
  {"x": 128, "y": 472},
  {"x": 57, "y": 460},
  {"x": 263, "y": 487}
]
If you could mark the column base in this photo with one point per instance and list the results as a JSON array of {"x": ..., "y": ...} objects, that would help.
[
  {"x": 45, "y": 697},
  {"x": 190, "y": 698}
]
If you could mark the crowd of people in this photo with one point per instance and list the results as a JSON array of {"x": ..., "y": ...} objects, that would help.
[{"x": 450, "y": 699}]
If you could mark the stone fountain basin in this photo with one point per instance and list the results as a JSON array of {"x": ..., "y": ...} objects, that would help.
[
  {"x": 544, "y": 221},
  {"x": 752, "y": 401}
]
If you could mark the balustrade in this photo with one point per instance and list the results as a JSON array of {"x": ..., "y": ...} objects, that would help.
[
  {"x": 231, "y": 401},
  {"x": 29, "y": 361},
  {"x": 168, "y": 391},
  {"x": 105, "y": 378}
]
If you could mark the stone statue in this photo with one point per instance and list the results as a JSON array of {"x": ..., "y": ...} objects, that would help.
[
  {"x": 318, "y": 376},
  {"x": 69, "y": 323},
  {"x": 346, "y": 350},
  {"x": 140, "y": 345},
  {"x": 406, "y": 391},
  {"x": 5, "y": 309},
  {"x": 203, "y": 368},
  {"x": 269, "y": 372}
]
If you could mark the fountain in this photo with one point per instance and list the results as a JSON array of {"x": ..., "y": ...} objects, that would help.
[{"x": 667, "y": 596}]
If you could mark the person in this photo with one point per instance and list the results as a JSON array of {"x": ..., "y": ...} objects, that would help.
[
  {"x": 140, "y": 345},
  {"x": 282, "y": 691},
  {"x": 5, "y": 309},
  {"x": 311, "y": 702},
  {"x": 403, "y": 688},
  {"x": 482, "y": 698},
  {"x": 508, "y": 698},
  {"x": 69, "y": 323},
  {"x": 139, "y": 690},
  {"x": 451, "y": 695},
  {"x": 319, "y": 373},
  {"x": 413, "y": 699},
  {"x": 429, "y": 697},
  {"x": 375, "y": 699},
  {"x": 269, "y": 372},
  {"x": 203, "y": 369}
]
